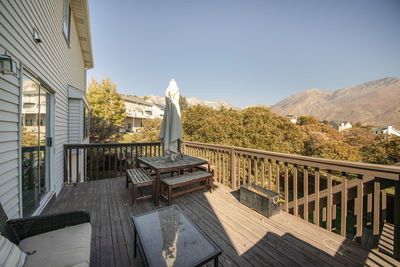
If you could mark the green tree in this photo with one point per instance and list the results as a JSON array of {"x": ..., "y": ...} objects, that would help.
[
  {"x": 105, "y": 102},
  {"x": 149, "y": 133},
  {"x": 183, "y": 105},
  {"x": 108, "y": 110}
]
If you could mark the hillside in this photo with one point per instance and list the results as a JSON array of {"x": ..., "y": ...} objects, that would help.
[
  {"x": 376, "y": 103},
  {"x": 192, "y": 101}
]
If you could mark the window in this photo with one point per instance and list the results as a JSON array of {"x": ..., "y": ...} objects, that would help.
[{"x": 67, "y": 20}]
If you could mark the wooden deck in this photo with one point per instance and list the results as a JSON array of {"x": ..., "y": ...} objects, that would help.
[{"x": 246, "y": 237}]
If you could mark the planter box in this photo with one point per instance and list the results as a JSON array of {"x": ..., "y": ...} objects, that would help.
[{"x": 264, "y": 201}]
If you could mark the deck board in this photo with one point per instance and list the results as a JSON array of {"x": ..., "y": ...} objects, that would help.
[{"x": 246, "y": 237}]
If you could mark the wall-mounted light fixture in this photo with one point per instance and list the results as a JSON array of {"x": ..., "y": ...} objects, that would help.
[
  {"x": 7, "y": 65},
  {"x": 36, "y": 36}
]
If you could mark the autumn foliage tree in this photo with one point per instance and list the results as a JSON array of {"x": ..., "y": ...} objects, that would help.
[{"x": 108, "y": 110}]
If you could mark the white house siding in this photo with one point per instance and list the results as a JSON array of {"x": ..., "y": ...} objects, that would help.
[
  {"x": 9, "y": 153},
  {"x": 53, "y": 62},
  {"x": 75, "y": 127}
]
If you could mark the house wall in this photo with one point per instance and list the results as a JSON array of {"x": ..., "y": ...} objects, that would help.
[
  {"x": 54, "y": 62},
  {"x": 75, "y": 121}
]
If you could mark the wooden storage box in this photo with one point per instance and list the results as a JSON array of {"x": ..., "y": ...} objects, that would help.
[{"x": 264, "y": 201}]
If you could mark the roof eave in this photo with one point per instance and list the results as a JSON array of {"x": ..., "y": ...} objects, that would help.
[{"x": 80, "y": 10}]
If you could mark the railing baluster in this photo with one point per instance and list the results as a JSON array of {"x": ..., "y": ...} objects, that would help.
[
  {"x": 116, "y": 161},
  {"x": 262, "y": 173},
  {"x": 295, "y": 191},
  {"x": 286, "y": 187},
  {"x": 277, "y": 177},
  {"x": 377, "y": 206},
  {"x": 220, "y": 166},
  {"x": 269, "y": 175},
  {"x": 329, "y": 203},
  {"x": 344, "y": 205},
  {"x": 136, "y": 155},
  {"x": 383, "y": 206},
  {"x": 104, "y": 163},
  {"x": 255, "y": 164},
  {"x": 238, "y": 170},
  {"x": 91, "y": 164},
  {"x": 109, "y": 162},
  {"x": 249, "y": 168},
  {"x": 70, "y": 164},
  {"x": 369, "y": 210},
  {"x": 316, "y": 203},
  {"x": 223, "y": 168},
  {"x": 359, "y": 209},
  {"x": 97, "y": 163},
  {"x": 244, "y": 169},
  {"x": 305, "y": 185},
  {"x": 121, "y": 153},
  {"x": 233, "y": 171},
  {"x": 77, "y": 165},
  {"x": 334, "y": 212}
]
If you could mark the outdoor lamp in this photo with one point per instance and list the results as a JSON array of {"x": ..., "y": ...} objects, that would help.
[{"x": 7, "y": 65}]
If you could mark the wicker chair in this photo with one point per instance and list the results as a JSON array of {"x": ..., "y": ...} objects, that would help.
[{"x": 17, "y": 230}]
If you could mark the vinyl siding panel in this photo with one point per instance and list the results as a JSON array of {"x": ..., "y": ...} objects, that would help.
[
  {"x": 9, "y": 180},
  {"x": 75, "y": 125},
  {"x": 54, "y": 62}
]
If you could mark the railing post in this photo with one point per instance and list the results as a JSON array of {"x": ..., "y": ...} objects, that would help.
[
  {"x": 233, "y": 169},
  {"x": 396, "y": 248}
]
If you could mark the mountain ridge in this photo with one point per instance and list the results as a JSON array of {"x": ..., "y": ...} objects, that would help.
[
  {"x": 375, "y": 102},
  {"x": 192, "y": 101}
]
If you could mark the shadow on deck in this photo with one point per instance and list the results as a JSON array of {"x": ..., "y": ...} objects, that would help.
[{"x": 245, "y": 237}]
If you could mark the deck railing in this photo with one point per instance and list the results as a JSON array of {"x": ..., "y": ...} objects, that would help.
[
  {"x": 348, "y": 198},
  {"x": 87, "y": 162}
]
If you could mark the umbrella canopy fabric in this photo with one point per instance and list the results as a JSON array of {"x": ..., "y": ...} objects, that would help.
[{"x": 171, "y": 128}]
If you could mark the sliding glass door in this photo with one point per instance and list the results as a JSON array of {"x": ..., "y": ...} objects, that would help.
[{"x": 36, "y": 141}]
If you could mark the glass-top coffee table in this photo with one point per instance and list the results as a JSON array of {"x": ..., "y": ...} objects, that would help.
[{"x": 167, "y": 237}]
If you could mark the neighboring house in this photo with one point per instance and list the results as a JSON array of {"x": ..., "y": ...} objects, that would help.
[
  {"x": 340, "y": 125},
  {"x": 158, "y": 111},
  {"x": 292, "y": 118},
  {"x": 137, "y": 109},
  {"x": 43, "y": 100},
  {"x": 389, "y": 130}
]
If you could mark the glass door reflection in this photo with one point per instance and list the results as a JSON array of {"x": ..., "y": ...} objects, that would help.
[{"x": 35, "y": 130}]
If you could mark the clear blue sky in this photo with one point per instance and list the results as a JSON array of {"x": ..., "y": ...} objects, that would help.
[{"x": 244, "y": 52}]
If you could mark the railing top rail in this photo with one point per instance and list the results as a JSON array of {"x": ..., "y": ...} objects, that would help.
[
  {"x": 67, "y": 146},
  {"x": 383, "y": 171}
]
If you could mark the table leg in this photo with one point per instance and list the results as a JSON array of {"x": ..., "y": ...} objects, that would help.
[
  {"x": 134, "y": 242},
  {"x": 216, "y": 261},
  {"x": 158, "y": 189}
]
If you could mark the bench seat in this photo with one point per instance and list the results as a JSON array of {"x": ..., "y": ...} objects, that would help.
[
  {"x": 204, "y": 178},
  {"x": 139, "y": 177}
]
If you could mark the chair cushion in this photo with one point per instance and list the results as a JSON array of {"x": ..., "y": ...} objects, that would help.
[
  {"x": 10, "y": 254},
  {"x": 63, "y": 247}
]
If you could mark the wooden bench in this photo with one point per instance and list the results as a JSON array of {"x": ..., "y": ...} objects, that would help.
[
  {"x": 139, "y": 177},
  {"x": 204, "y": 178}
]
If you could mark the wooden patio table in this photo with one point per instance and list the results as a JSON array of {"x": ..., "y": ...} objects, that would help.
[{"x": 161, "y": 165}]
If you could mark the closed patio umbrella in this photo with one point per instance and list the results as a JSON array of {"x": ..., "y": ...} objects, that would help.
[{"x": 171, "y": 128}]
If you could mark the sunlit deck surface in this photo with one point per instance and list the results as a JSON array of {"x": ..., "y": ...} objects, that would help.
[{"x": 246, "y": 237}]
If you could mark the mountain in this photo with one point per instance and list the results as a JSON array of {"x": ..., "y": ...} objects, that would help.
[
  {"x": 375, "y": 102},
  {"x": 192, "y": 101}
]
